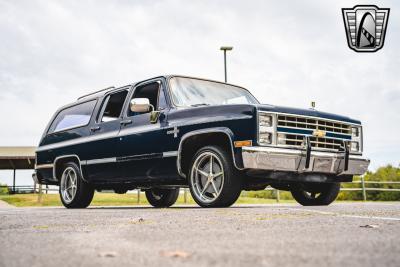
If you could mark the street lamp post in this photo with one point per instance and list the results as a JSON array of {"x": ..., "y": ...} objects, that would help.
[{"x": 225, "y": 48}]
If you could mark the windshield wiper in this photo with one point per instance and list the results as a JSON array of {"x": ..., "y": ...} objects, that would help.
[{"x": 199, "y": 104}]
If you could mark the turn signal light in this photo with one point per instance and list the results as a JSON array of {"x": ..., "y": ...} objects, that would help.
[{"x": 243, "y": 143}]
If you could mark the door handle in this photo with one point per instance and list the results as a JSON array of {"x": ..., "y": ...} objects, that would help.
[
  {"x": 125, "y": 122},
  {"x": 95, "y": 128}
]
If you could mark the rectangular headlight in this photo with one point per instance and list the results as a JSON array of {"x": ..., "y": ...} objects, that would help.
[
  {"x": 265, "y": 120},
  {"x": 354, "y": 146},
  {"x": 265, "y": 138},
  {"x": 266, "y": 128},
  {"x": 355, "y": 131}
]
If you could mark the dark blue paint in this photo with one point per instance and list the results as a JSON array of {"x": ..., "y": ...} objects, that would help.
[
  {"x": 295, "y": 131},
  {"x": 139, "y": 154},
  {"x": 307, "y": 112}
]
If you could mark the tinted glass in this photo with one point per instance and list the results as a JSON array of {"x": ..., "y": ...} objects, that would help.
[
  {"x": 153, "y": 92},
  {"x": 112, "y": 106},
  {"x": 72, "y": 117},
  {"x": 195, "y": 92}
]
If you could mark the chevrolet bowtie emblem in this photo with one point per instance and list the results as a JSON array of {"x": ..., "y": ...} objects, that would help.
[{"x": 319, "y": 133}]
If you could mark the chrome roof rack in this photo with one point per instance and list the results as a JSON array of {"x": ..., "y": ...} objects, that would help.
[{"x": 93, "y": 93}]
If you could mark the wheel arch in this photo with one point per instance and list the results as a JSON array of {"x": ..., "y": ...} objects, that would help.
[
  {"x": 61, "y": 160},
  {"x": 192, "y": 141}
]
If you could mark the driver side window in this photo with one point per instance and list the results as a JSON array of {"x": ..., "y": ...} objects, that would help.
[{"x": 152, "y": 91}]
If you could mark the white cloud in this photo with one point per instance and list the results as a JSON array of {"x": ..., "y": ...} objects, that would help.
[{"x": 286, "y": 53}]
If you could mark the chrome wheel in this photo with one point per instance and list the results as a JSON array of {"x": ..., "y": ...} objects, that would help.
[
  {"x": 207, "y": 177},
  {"x": 68, "y": 185}
]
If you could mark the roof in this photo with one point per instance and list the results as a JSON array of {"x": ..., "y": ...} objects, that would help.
[{"x": 17, "y": 157}]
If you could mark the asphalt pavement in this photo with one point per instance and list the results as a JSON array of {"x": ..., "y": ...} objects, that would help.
[{"x": 349, "y": 234}]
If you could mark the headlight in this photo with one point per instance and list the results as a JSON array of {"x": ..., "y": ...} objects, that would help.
[
  {"x": 356, "y": 139},
  {"x": 354, "y": 146},
  {"x": 265, "y": 120},
  {"x": 355, "y": 131},
  {"x": 266, "y": 128},
  {"x": 265, "y": 138}
]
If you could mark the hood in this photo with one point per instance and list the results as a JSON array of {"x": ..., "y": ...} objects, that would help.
[{"x": 306, "y": 112}]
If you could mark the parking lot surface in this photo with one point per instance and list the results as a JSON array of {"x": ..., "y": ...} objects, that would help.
[{"x": 347, "y": 234}]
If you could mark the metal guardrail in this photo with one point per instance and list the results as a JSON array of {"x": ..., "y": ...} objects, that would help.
[{"x": 364, "y": 189}]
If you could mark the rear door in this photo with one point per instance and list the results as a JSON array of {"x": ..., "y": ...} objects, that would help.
[{"x": 102, "y": 164}]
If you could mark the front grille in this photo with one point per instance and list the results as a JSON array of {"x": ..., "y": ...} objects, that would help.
[
  {"x": 307, "y": 124},
  {"x": 313, "y": 124},
  {"x": 316, "y": 142}
]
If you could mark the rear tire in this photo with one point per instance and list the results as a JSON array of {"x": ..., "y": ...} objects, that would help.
[
  {"x": 74, "y": 192},
  {"x": 162, "y": 198},
  {"x": 315, "y": 194},
  {"x": 213, "y": 179}
]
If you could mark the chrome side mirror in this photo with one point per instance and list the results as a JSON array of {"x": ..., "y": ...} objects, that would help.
[{"x": 141, "y": 105}]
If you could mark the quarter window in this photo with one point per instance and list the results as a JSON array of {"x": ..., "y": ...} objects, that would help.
[{"x": 72, "y": 117}]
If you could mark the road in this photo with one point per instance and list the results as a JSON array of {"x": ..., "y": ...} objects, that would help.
[{"x": 350, "y": 234}]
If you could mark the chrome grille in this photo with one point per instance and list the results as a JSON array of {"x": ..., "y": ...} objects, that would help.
[
  {"x": 313, "y": 124},
  {"x": 310, "y": 123},
  {"x": 316, "y": 142}
]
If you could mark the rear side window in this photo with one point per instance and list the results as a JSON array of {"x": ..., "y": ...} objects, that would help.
[{"x": 72, "y": 117}]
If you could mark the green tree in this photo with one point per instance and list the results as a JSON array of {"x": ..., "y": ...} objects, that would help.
[{"x": 382, "y": 174}]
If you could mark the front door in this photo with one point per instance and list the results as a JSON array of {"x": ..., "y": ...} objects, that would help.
[
  {"x": 103, "y": 164},
  {"x": 142, "y": 142}
]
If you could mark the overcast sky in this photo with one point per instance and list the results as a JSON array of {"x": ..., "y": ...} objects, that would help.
[{"x": 286, "y": 52}]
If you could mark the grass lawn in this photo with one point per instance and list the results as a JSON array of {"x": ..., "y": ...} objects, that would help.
[{"x": 111, "y": 199}]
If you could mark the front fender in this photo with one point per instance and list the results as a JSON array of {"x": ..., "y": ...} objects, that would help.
[{"x": 236, "y": 153}]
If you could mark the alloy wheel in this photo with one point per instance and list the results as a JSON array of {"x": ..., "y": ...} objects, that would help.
[
  {"x": 69, "y": 185},
  {"x": 207, "y": 176}
]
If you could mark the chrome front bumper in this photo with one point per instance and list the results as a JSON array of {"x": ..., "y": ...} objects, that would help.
[{"x": 295, "y": 160}]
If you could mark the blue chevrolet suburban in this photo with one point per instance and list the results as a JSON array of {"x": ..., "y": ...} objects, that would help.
[{"x": 169, "y": 132}]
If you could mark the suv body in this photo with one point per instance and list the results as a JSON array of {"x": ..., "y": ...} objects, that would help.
[{"x": 147, "y": 135}]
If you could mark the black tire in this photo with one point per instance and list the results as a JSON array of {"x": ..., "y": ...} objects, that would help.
[
  {"x": 228, "y": 184},
  {"x": 84, "y": 191},
  {"x": 162, "y": 198},
  {"x": 315, "y": 194}
]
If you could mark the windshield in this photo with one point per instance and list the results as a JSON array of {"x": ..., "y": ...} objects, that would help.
[{"x": 194, "y": 92}]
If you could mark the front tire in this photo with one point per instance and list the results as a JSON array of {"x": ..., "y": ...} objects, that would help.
[
  {"x": 162, "y": 198},
  {"x": 315, "y": 194},
  {"x": 213, "y": 179},
  {"x": 74, "y": 191}
]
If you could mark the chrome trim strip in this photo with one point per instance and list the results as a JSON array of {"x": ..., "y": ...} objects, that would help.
[
  {"x": 130, "y": 157},
  {"x": 99, "y": 161},
  {"x": 79, "y": 140},
  {"x": 170, "y": 154},
  {"x": 44, "y": 166}
]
